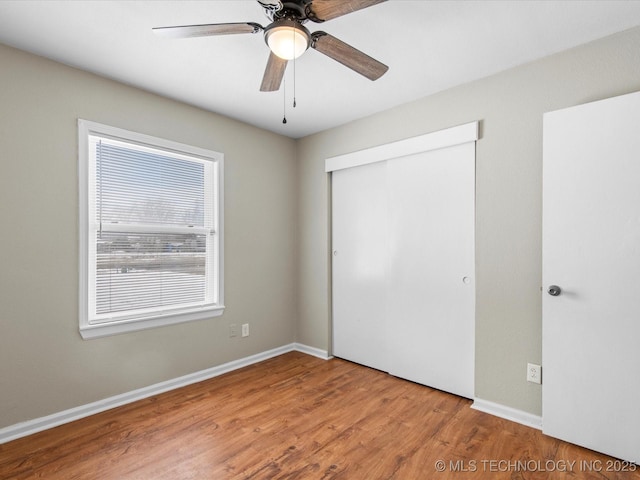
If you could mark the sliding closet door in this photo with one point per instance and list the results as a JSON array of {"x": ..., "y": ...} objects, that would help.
[
  {"x": 403, "y": 258},
  {"x": 431, "y": 294},
  {"x": 359, "y": 206}
]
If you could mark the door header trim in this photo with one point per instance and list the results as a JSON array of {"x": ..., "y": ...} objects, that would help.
[{"x": 449, "y": 137}]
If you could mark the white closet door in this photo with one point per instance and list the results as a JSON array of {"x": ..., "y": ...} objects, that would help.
[
  {"x": 431, "y": 295},
  {"x": 591, "y": 250},
  {"x": 403, "y": 264},
  {"x": 359, "y": 205}
]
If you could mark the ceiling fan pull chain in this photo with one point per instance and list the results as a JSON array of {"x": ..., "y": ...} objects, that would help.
[
  {"x": 294, "y": 70},
  {"x": 284, "y": 100},
  {"x": 294, "y": 83}
]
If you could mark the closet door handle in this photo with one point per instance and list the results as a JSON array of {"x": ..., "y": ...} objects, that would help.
[{"x": 554, "y": 290}]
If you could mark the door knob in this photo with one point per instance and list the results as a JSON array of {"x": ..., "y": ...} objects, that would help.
[{"x": 554, "y": 290}]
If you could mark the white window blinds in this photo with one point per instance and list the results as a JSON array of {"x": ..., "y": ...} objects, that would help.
[{"x": 152, "y": 235}]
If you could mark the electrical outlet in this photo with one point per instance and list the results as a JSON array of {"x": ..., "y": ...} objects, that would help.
[
  {"x": 245, "y": 329},
  {"x": 233, "y": 330},
  {"x": 534, "y": 373}
]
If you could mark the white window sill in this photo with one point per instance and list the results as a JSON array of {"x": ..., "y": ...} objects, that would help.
[{"x": 98, "y": 330}]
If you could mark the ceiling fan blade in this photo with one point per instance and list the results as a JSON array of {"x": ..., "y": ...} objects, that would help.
[
  {"x": 187, "y": 31},
  {"x": 323, "y": 10},
  {"x": 273, "y": 73},
  {"x": 348, "y": 56}
]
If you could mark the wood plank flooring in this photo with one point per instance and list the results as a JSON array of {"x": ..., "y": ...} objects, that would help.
[{"x": 299, "y": 417}]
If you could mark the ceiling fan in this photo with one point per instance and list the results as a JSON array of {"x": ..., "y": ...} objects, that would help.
[{"x": 288, "y": 38}]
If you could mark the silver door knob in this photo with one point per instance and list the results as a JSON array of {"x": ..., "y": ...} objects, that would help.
[{"x": 554, "y": 290}]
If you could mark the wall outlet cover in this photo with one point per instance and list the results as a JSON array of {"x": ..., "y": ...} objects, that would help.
[{"x": 534, "y": 373}]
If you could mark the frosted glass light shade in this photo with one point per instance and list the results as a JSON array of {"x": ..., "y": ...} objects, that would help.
[{"x": 287, "y": 42}]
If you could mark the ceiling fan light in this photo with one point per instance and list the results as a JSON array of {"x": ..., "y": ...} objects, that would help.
[{"x": 287, "y": 42}]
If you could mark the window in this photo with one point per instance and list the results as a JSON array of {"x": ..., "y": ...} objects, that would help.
[{"x": 150, "y": 231}]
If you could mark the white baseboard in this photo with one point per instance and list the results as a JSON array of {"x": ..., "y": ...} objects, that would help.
[
  {"x": 23, "y": 429},
  {"x": 316, "y": 352},
  {"x": 508, "y": 413}
]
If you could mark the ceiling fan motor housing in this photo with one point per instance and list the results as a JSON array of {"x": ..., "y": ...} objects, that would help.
[{"x": 297, "y": 8}]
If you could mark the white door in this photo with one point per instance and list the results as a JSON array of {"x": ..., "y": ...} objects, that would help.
[
  {"x": 359, "y": 211},
  {"x": 591, "y": 250},
  {"x": 431, "y": 296}
]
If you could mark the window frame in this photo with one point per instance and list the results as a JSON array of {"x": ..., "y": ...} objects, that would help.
[{"x": 92, "y": 328}]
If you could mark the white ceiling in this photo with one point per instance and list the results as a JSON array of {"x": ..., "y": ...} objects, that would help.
[{"x": 429, "y": 46}]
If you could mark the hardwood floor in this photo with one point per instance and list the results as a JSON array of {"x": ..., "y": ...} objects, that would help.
[{"x": 299, "y": 417}]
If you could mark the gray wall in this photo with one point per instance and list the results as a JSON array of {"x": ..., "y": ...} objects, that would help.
[
  {"x": 277, "y": 224},
  {"x": 508, "y": 199},
  {"x": 45, "y": 366}
]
